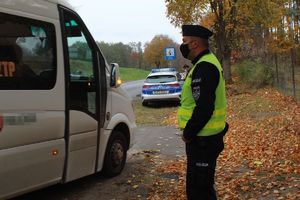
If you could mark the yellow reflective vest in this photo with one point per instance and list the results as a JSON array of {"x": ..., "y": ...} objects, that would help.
[{"x": 216, "y": 124}]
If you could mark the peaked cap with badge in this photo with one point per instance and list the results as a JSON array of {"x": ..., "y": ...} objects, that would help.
[{"x": 196, "y": 31}]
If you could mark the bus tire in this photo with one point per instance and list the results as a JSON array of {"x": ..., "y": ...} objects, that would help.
[{"x": 115, "y": 155}]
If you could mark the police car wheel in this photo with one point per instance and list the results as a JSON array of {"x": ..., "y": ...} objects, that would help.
[
  {"x": 145, "y": 103},
  {"x": 115, "y": 155}
]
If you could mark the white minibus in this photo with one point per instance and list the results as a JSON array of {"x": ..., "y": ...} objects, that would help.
[{"x": 63, "y": 115}]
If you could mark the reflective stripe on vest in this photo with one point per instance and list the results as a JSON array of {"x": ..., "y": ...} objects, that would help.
[{"x": 217, "y": 122}]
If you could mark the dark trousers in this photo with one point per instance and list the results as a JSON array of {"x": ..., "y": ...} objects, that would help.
[{"x": 202, "y": 154}]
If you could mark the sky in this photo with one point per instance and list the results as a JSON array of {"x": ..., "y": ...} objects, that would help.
[{"x": 126, "y": 21}]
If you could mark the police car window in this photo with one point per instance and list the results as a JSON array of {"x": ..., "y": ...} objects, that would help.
[
  {"x": 27, "y": 54},
  {"x": 161, "y": 79}
]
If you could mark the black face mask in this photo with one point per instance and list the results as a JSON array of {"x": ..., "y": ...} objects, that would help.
[{"x": 184, "y": 49}]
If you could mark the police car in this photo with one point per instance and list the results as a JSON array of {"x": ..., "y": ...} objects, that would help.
[{"x": 161, "y": 84}]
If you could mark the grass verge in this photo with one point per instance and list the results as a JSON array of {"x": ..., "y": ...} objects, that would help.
[
  {"x": 132, "y": 74},
  {"x": 157, "y": 114}
]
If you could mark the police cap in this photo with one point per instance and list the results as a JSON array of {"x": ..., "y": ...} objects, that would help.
[{"x": 196, "y": 31}]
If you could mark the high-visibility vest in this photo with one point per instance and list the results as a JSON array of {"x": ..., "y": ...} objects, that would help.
[{"x": 217, "y": 121}]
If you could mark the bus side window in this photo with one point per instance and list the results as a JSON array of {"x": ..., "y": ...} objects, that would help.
[{"x": 27, "y": 53}]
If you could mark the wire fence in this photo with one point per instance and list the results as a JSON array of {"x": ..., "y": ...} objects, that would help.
[{"x": 286, "y": 68}]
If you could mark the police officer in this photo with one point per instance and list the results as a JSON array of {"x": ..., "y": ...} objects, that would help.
[{"x": 202, "y": 112}]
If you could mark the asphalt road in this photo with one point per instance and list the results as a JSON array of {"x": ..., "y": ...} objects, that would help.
[
  {"x": 166, "y": 140},
  {"x": 133, "y": 88},
  {"x": 161, "y": 138}
]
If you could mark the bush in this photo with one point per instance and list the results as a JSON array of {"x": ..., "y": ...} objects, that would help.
[{"x": 255, "y": 73}]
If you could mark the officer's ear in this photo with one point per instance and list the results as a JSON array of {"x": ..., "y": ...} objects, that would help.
[
  {"x": 204, "y": 42},
  {"x": 196, "y": 42}
]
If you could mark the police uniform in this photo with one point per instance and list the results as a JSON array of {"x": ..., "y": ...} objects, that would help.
[{"x": 202, "y": 116}]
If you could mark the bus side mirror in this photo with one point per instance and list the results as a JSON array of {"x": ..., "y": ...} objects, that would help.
[{"x": 115, "y": 80}]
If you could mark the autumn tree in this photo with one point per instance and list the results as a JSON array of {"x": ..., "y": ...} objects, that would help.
[
  {"x": 224, "y": 22},
  {"x": 251, "y": 27},
  {"x": 136, "y": 56},
  {"x": 154, "y": 51},
  {"x": 117, "y": 52},
  {"x": 254, "y": 22},
  {"x": 287, "y": 31}
]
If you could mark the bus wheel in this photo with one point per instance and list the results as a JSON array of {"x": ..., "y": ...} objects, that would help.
[{"x": 115, "y": 155}]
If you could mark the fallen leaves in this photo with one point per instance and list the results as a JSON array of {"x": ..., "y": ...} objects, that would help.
[{"x": 261, "y": 156}]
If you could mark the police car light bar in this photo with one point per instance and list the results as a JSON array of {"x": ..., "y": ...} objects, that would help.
[{"x": 170, "y": 69}]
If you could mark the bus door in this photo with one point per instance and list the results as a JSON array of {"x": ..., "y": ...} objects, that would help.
[{"x": 82, "y": 99}]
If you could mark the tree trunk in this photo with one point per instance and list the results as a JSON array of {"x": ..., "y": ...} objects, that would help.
[
  {"x": 227, "y": 68},
  {"x": 223, "y": 49},
  {"x": 224, "y": 55},
  {"x": 140, "y": 60}
]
